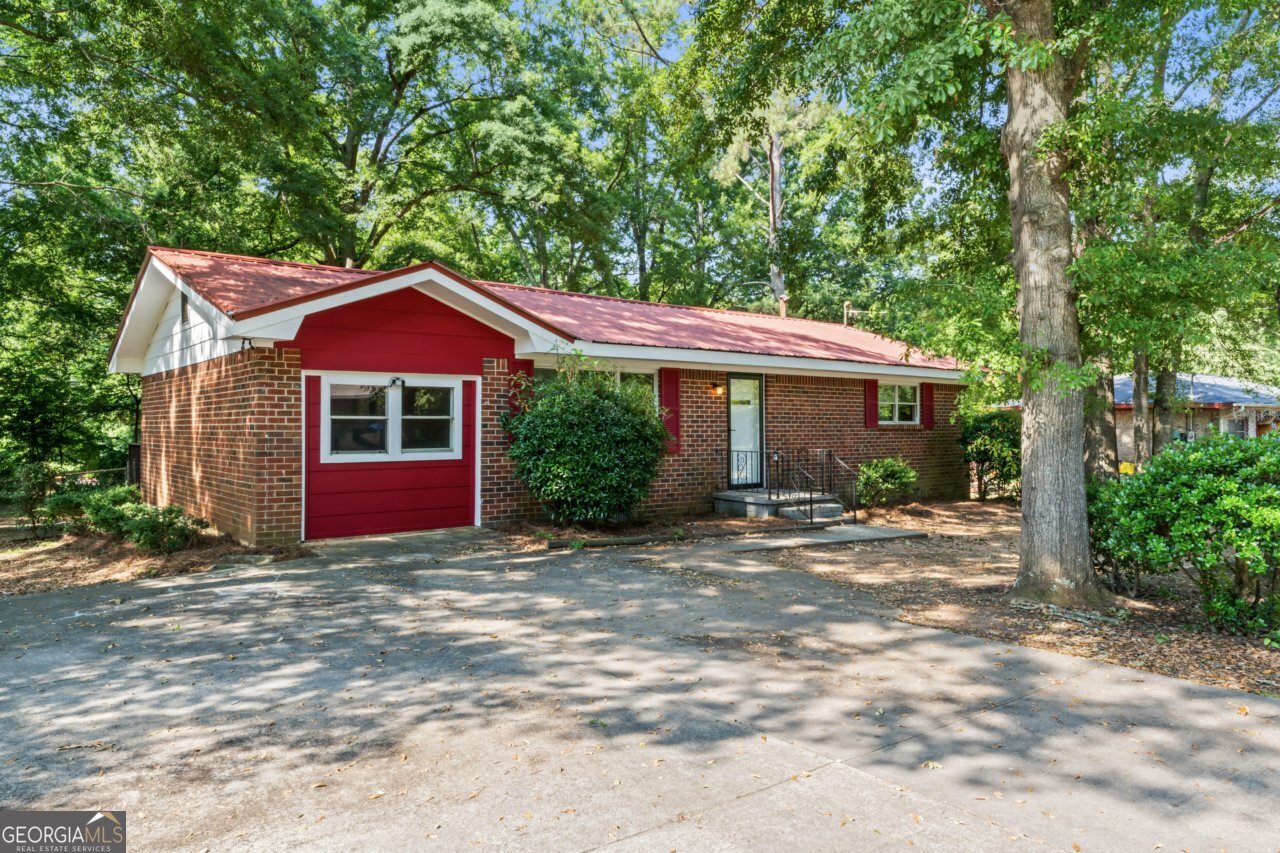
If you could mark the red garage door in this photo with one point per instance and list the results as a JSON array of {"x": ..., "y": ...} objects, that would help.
[{"x": 349, "y": 496}]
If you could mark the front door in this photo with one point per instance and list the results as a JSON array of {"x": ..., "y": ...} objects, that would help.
[{"x": 746, "y": 431}]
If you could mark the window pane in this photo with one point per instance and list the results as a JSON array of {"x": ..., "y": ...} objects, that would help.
[
  {"x": 358, "y": 400},
  {"x": 1238, "y": 427},
  {"x": 906, "y": 414},
  {"x": 887, "y": 393},
  {"x": 427, "y": 401},
  {"x": 357, "y": 435},
  {"x": 886, "y": 414},
  {"x": 425, "y": 434},
  {"x": 906, "y": 393},
  {"x": 541, "y": 374}
]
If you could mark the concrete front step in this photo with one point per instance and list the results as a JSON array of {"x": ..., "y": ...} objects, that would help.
[
  {"x": 761, "y": 504},
  {"x": 820, "y": 511}
]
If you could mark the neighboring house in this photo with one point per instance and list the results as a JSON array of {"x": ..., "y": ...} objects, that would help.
[
  {"x": 1205, "y": 403},
  {"x": 288, "y": 401}
]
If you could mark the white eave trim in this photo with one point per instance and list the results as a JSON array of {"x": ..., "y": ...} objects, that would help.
[{"x": 653, "y": 357}]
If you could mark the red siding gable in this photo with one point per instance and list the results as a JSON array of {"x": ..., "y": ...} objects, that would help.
[{"x": 405, "y": 331}]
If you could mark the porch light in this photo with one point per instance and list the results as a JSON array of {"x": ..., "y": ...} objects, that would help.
[{"x": 717, "y": 388}]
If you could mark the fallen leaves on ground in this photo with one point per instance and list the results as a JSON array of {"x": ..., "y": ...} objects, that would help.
[
  {"x": 28, "y": 566},
  {"x": 956, "y": 579}
]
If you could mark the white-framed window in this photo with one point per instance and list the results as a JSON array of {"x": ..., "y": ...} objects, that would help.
[
  {"x": 899, "y": 404},
  {"x": 1236, "y": 426},
  {"x": 374, "y": 417}
]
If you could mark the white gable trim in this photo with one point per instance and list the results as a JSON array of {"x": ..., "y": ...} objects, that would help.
[{"x": 157, "y": 287}]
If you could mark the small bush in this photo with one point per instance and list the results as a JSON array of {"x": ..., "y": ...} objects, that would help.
[
  {"x": 161, "y": 530},
  {"x": 587, "y": 448},
  {"x": 68, "y": 508},
  {"x": 885, "y": 481},
  {"x": 1209, "y": 509},
  {"x": 992, "y": 445},
  {"x": 32, "y": 483},
  {"x": 103, "y": 509}
]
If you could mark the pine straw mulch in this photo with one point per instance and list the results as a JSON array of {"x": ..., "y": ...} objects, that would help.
[
  {"x": 957, "y": 577},
  {"x": 38, "y": 565},
  {"x": 533, "y": 537}
]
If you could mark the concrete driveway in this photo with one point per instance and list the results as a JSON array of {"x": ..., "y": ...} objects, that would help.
[{"x": 432, "y": 692}]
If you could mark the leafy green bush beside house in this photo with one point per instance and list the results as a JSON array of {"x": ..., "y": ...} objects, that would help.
[
  {"x": 886, "y": 481},
  {"x": 992, "y": 444},
  {"x": 586, "y": 446},
  {"x": 1209, "y": 509},
  {"x": 118, "y": 511}
]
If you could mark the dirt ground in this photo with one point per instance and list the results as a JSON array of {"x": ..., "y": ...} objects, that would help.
[
  {"x": 957, "y": 577},
  {"x": 28, "y": 565}
]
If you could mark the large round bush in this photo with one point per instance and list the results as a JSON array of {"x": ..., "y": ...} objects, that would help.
[
  {"x": 1210, "y": 509},
  {"x": 586, "y": 448}
]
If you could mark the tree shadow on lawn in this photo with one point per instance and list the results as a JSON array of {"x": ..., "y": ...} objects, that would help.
[{"x": 301, "y": 669}]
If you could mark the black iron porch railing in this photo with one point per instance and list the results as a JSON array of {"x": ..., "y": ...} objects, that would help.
[{"x": 797, "y": 477}]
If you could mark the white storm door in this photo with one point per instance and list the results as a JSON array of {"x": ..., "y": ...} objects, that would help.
[{"x": 746, "y": 431}]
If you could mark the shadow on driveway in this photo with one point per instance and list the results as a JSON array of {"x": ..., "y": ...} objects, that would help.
[{"x": 391, "y": 695}]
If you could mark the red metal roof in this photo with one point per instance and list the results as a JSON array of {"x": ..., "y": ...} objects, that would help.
[
  {"x": 610, "y": 320},
  {"x": 240, "y": 286},
  {"x": 235, "y": 284}
]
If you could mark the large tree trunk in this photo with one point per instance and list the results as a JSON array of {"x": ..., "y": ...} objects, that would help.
[
  {"x": 1055, "y": 563},
  {"x": 1166, "y": 400},
  {"x": 1141, "y": 408},
  {"x": 1100, "y": 454}
]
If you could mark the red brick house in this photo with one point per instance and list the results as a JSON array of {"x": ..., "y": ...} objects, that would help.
[{"x": 287, "y": 401}]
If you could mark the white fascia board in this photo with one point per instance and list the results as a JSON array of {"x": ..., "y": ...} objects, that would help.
[
  {"x": 654, "y": 357},
  {"x": 283, "y": 325}
]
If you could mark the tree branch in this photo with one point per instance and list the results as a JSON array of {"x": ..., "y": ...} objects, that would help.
[{"x": 1249, "y": 221}]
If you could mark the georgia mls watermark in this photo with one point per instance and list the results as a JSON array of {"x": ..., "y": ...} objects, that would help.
[{"x": 62, "y": 832}]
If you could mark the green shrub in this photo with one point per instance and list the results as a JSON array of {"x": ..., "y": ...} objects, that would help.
[
  {"x": 103, "y": 509},
  {"x": 67, "y": 507},
  {"x": 32, "y": 483},
  {"x": 1209, "y": 509},
  {"x": 586, "y": 447},
  {"x": 884, "y": 481},
  {"x": 161, "y": 530},
  {"x": 992, "y": 445}
]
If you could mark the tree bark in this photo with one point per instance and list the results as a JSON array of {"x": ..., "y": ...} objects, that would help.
[
  {"x": 1141, "y": 408},
  {"x": 776, "y": 282},
  {"x": 1055, "y": 563},
  {"x": 1166, "y": 401},
  {"x": 1101, "y": 457}
]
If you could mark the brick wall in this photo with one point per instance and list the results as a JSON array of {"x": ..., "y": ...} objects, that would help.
[
  {"x": 223, "y": 440},
  {"x": 800, "y": 412},
  {"x": 1200, "y": 422}
]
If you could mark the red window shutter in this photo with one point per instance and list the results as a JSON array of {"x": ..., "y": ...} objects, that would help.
[
  {"x": 926, "y": 405},
  {"x": 872, "y": 402},
  {"x": 669, "y": 400}
]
